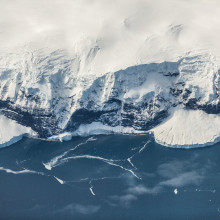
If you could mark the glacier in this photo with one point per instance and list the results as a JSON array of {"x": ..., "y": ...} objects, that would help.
[
  {"x": 11, "y": 132},
  {"x": 137, "y": 70},
  {"x": 188, "y": 128},
  {"x": 49, "y": 97}
]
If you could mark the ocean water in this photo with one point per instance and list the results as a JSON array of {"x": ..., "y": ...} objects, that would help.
[{"x": 108, "y": 177}]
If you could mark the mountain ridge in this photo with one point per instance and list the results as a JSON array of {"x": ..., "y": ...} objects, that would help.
[{"x": 47, "y": 93}]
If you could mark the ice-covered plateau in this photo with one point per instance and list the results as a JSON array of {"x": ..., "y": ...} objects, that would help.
[{"x": 46, "y": 94}]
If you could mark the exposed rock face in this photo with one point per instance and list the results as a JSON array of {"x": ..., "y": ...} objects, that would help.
[{"x": 47, "y": 92}]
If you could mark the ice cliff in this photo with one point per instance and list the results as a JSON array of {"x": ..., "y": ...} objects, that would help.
[{"x": 46, "y": 93}]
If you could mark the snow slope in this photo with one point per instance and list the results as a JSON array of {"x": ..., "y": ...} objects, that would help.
[
  {"x": 11, "y": 132},
  {"x": 188, "y": 128}
]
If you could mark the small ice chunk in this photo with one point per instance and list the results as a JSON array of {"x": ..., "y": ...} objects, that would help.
[
  {"x": 91, "y": 190},
  {"x": 175, "y": 191},
  {"x": 47, "y": 166},
  {"x": 59, "y": 180}
]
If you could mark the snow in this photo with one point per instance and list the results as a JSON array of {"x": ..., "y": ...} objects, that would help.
[
  {"x": 154, "y": 82},
  {"x": 95, "y": 128},
  {"x": 152, "y": 30},
  {"x": 59, "y": 64},
  {"x": 66, "y": 136},
  {"x": 99, "y": 128},
  {"x": 198, "y": 72},
  {"x": 188, "y": 128},
  {"x": 11, "y": 132},
  {"x": 182, "y": 129}
]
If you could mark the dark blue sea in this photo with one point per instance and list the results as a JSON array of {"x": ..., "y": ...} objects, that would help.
[{"x": 108, "y": 177}]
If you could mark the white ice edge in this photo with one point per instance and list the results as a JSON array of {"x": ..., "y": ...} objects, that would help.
[
  {"x": 16, "y": 139},
  {"x": 95, "y": 128},
  {"x": 188, "y": 129},
  {"x": 182, "y": 129},
  {"x": 188, "y": 146},
  {"x": 12, "y": 132}
]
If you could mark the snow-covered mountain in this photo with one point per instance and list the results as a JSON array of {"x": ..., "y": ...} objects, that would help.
[{"x": 131, "y": 72}]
